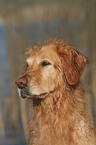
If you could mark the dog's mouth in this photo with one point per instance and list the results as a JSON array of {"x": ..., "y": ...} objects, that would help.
[{"x": 24, "y": 93}]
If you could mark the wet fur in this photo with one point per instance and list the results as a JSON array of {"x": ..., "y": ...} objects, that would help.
[{"x": 61, "y": 117}]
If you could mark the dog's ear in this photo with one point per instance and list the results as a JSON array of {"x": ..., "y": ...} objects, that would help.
[{"x": 73, "y": 63}]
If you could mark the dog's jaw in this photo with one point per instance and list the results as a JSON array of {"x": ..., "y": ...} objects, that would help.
[
  {"x": 39, "y": 96},
  {"x": 24, "y": 94}
]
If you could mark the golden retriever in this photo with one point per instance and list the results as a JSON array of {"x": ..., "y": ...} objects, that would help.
[{"x": 51, "y": 81}]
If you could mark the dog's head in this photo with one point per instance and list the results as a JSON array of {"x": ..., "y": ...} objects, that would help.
[{"x": 49, "y": 67}]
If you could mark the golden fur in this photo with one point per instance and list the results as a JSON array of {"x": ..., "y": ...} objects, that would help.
[{"x": 60, "y": 116}]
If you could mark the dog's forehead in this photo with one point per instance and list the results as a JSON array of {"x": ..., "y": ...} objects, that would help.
[{"x": 46, "y": 52}]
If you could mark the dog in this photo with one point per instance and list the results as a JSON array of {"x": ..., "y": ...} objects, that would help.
[{"x": 51, "y": 81}]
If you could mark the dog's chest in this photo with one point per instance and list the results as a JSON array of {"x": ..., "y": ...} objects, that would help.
[{"x": 49, "y": 129}]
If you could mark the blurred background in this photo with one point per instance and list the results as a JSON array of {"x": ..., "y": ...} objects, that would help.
[{"x": 24, "y": 22}]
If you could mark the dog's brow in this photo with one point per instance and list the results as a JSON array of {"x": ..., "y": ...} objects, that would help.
[{"x": 45, "y": 59}]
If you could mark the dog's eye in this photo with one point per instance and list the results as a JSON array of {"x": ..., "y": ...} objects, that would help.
[{"x": 45, "y": 63}]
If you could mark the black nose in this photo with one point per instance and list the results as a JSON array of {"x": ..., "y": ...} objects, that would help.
[{"x": 21, "y": 82}]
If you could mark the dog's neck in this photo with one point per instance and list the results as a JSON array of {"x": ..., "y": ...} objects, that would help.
[
  {"x": 58, "y": 99},
  {"x": 57, "y": 111}
]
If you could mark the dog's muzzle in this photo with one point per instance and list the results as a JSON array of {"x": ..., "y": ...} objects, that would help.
[{"x": 23, "y": 90}]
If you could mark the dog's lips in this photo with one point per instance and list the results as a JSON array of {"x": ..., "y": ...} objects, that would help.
[
  {"x": 21, "y": 93},
  {"x": 40, "y": 96},
  {"x": 24, "y": 95}
]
